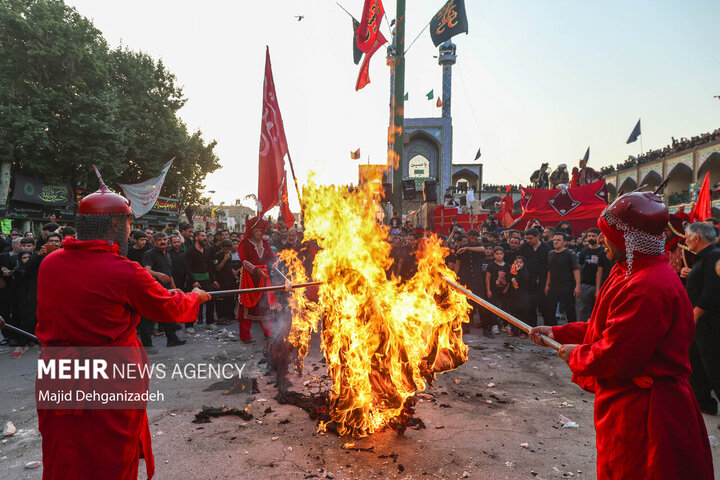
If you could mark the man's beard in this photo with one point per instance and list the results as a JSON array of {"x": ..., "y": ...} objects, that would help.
[{"x": 121, "y": 239}]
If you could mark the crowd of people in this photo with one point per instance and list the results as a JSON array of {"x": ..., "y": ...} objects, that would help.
[
  {"x": 677, "y": 145},
  {"x": 560, "y": 177},
  {"x": 548, "y": 270},
  {"x": 178, "y": 259}
]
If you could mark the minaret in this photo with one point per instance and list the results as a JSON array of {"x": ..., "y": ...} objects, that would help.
[{"x": 447, "y": 59}]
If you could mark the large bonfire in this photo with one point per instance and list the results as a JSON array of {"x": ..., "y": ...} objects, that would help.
[{"x": 383, "y": 340}]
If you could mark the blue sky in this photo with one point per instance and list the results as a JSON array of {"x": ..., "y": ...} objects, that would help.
[{"x": 535, "y": 81}]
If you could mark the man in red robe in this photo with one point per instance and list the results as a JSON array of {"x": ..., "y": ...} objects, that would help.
[
  {"x": 633, "y": 353},
  {"x": 90, "y": 295},
  {"x": 506, "y": 208},
  {"x": 257, "y": 257}
]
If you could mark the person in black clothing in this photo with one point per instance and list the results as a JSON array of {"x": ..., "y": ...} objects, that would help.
[
  {"x": 158, "y": 262},
  {"x": 517, "y": 296},
  {"x": 468, "y": 265},
  {"x": 497, "y": 283},
  {"x": 591, "y": 257},
  {"x": 202, "y": 269},
  {"x": 540, "y": 178},
  {"x": 512, "y": 251},
  {"x": 224, "y": 276},
  {"x": 535, "y": 254},
  {"x": 139, "y": 248},
  {"x": 180, "y": 275},
  {"x": 563, "y": 280},
  {"x": 703, "y": 288},
  {"x": 24, "y": 308},
  {"x": 409, "y": 264},
  {"x": 46, "y": 230}
]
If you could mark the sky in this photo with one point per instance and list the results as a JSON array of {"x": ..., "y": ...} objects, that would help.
[{"x": 534, "y": 81}]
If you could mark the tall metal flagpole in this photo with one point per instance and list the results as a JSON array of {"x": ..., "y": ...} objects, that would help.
[
  {"x": 399, "y": 108},
  {"x": 297, "y": 189}
]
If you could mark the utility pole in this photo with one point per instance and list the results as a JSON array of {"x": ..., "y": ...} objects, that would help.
[{"x": 395, "y": 160}]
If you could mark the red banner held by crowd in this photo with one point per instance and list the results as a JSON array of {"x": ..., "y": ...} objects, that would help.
[
  {"x": 581, "y": 206},
  {"x": 273, "y": 145}
]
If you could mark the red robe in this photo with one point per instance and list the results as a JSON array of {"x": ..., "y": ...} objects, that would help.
[
  {"x": 255, "y": 307},
  {"x": 89, "y": 295},
  {"x": 633, "y": 355},
  {"x": 506, "y": 208}
]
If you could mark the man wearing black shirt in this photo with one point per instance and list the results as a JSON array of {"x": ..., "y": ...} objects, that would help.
[
  {"x": 512, "y": 250},
  {"x": 468, "y": 264},
  {"x": 157, "y": 261},
  {"x": 563, "y": 280},
  {"x": 177, "y": 260},
  {"x": 225, "y": 278},
  {"x": 186, "y": 231},
  {"x": 202, "y": 269},
  {"x": 591, "y": 257},
  {"x": 139, "y": 248},
  {"x": 703, "y": 288},
  {"x": 536, "y": 257}
]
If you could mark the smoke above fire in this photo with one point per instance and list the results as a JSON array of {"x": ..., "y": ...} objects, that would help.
[{"x": 383, "y": 339}]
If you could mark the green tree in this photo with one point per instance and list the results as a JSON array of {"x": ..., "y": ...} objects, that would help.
[{"x": 68, "y": 102}]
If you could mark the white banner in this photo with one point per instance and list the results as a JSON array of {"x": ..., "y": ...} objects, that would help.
[{"x": 143, "y": 195}]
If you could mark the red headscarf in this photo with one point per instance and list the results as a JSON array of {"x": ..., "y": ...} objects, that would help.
[{"x": 254, "y": 223}]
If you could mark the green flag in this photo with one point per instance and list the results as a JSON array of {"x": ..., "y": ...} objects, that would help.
[
  {"x": 430, "y": 95},
  {"x": 405, "y": 97}
]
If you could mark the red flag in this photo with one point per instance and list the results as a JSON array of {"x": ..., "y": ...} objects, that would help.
[
  {"x": 364, "y": 75},
  {"x": 285, "y": 204},
  {"x": 581, "y": 206},
  {"x": 273, "y": 145},
  {"x": 369, "y": 28},
  {"x": 703, "y": 208}
]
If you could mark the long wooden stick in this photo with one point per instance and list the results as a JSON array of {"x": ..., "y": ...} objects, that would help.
[
  {"x": 501, "y": 313},
  {"x": 220, "y": 293},
  {"x": 21, "y": 332}
]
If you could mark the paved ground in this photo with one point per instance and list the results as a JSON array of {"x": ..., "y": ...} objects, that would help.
[{"x": 496, "y": 417}]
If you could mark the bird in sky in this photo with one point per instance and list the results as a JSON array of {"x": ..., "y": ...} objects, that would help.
[{"x": 299, "y": 17}]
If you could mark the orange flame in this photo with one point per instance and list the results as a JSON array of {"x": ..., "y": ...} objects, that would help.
[{"x": 383, "y": 340}]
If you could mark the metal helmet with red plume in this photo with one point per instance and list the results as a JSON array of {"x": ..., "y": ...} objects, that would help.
[
  {"x": 104, "y": 202},
  {"x": 104, "y": 215},
  {"x": 635, "y": 223}
]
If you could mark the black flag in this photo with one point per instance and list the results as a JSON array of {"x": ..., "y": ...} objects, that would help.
[
  {"x": 477, "y": 155},
  {"x": 587, "y": 155},
  {"x": 448, "y": 22},
  {"x": 635, "y": 133},
  {"x": 357, "y": 53}
]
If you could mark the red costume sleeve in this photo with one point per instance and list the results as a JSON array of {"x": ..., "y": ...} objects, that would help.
[
  {"x": 151, "y": 300},
  {"x": 570, "y": 333},
  {"x": 627, "y": 343}
]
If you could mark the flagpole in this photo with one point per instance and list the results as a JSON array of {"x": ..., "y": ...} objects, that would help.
[
  {"x": 297, "y": 189},
  {"x": 351, "y": 16},
  {"x": 396, "y": 159},
  {"x": 641, "y": 146}
]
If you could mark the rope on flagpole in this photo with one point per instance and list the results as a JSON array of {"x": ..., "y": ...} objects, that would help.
[{"x": 418, "y": 36}]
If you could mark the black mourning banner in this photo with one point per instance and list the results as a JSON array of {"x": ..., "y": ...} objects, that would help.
[
  {"x": 32, "y": 190},
  {"x": 448, "y": 22},
  {"x": 357, "y": 53}
]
